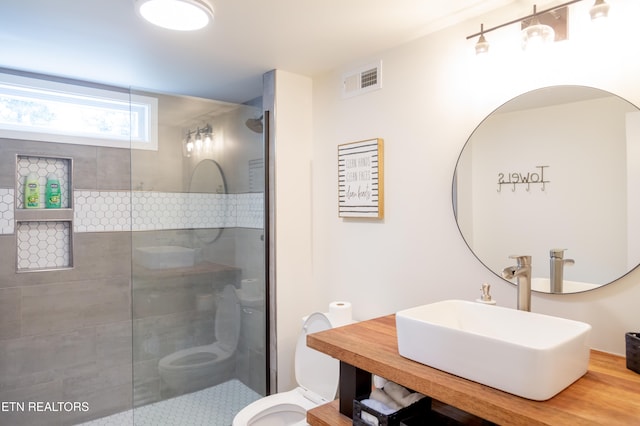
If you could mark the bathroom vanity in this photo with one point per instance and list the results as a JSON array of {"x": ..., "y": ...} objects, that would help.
[{"x": 608, "y": 393}]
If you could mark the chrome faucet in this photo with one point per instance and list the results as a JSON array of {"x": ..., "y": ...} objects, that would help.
[
  {"x": 556, "y": 274},
  {"x": 522, "y": 273}
]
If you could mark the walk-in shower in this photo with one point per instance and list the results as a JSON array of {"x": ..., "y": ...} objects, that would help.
[
  {"x": 200, "y": 324},
  {"x": 163, "y": 309}
]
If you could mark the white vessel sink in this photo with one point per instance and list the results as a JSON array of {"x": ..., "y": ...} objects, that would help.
[
  {"x": 527, "y": 354},
  {"x": 164, "y": 257}
]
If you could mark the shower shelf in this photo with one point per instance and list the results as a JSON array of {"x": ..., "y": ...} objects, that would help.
[
  {"x": 44, "y": 236},
  {"x": 43, "y": 215}
]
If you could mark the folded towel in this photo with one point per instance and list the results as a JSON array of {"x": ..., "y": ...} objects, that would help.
[
  {"x": 381, "y": 396},
  {"x": 396, "y": 392},
  {"x": 401, "y": 395},
  {"x": 379, "y": 382},
  {"x": 411, "y": 399},
  {"x": 380, "y": 407}
]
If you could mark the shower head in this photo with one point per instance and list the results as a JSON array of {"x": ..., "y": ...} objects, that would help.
[{"x": 255, "y": 124}]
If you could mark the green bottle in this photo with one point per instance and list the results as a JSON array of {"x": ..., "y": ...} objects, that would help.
[
  {"x": 31, "y": 192},
  {"x": 52, "y": 192}
]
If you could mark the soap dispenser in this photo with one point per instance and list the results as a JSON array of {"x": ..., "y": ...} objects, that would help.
[{"x": 485, "y": 296}]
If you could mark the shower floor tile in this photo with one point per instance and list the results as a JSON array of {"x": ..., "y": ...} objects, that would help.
[{"x": 214, "y": 406}]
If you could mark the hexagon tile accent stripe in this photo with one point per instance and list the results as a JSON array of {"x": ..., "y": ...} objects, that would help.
[
  {"x": 113, "y": 211},
  {"x": 164, "y": 210},
  {"x": 102, "y": 211},
  {"x": 7, "y": 198}
]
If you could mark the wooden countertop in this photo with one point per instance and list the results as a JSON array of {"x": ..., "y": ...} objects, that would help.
[{"x": 608, "y": 394}]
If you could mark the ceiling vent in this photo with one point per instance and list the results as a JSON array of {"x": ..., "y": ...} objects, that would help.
[{"x": 362, "y": 80}]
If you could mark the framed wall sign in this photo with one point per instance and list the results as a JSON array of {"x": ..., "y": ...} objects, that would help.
[{"x": 360, "y": 179}]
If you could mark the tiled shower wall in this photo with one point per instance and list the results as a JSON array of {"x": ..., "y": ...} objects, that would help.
[{"x": 66, "y": 335}]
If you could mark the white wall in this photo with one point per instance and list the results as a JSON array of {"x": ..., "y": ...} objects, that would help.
[
  {"x": 293, "y": 281},
  {"x": 435, "y": 92}
]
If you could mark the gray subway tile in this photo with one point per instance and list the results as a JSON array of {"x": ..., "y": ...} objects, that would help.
[
  {"x": 59, "y": 307},
  {"x": 113, "y": 344},
  {"x": 76, "y": 386},
  {"x": 10, "y": 313},
  {"x": 146, "y": 382},
  {"x": 7, "y": 261},
  {"x": 38, "y": 354},
  {"x": 114, "y": 169}
]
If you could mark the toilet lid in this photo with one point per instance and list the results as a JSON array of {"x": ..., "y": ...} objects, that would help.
[
  {"x": 227, "y": 321},
  {"x": 314, "y": 370}
]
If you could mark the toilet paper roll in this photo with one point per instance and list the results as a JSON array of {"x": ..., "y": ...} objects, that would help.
[{"x": 340, "y": 313}]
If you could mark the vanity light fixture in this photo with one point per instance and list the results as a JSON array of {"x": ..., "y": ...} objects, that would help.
[
  {"x": 482, "y": 46},
  {"x": 533, "y": 30},
  {"x": 197, "y": 140},
  {"x": 179, "y": 15},
  {"x": 537, "y": 34}
]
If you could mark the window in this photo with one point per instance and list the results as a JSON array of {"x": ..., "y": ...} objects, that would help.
[{"x": 49, "y": 111}]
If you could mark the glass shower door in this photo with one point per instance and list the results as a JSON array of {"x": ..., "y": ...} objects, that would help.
[{"x": 198, "y": 264}]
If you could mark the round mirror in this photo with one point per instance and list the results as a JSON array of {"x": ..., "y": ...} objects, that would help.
[
  {"x": 554, "y": 174},
  {"x": 207, "y": 178}
]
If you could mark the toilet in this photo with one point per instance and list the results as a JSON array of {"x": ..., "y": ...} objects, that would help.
[
  {"x": 317, "y": 375},
  {"x": 196, "y": 368}
]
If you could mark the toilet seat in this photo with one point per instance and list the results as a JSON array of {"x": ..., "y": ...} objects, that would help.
[
  {"x": 286, "y": 408},
  {"x": 317, "y": 375},
  {"x": 194, "y": 358}
]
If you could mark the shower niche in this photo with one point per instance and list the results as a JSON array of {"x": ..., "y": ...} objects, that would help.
[{"x": 44, "y": 236}]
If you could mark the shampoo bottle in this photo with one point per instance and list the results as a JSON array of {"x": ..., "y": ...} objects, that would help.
[
  {"x": 52, "y": 192},
  {"x": 31, "y": 192}
]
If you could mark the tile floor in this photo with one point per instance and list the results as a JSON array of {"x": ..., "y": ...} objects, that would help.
[{"x": 214, "y": 406}]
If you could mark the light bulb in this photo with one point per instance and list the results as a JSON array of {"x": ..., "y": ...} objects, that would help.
[
  {"x": 482, "y": 46},
  {"x": 599, "y": 10},
  {"x": 188, "y": 146},
  {"x": 537, "y": 35}
]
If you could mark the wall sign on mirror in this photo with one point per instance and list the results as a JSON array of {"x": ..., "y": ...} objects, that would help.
[{"x": 360, "y": 179}]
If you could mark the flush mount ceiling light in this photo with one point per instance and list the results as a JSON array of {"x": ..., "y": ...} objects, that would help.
[
  {"x": 180, "y": 15},
  {"x": 536, "y": 31}
]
